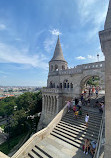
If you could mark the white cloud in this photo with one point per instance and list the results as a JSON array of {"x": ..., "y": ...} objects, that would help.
[
  {"x": 93, "y": 11},
  {"x": 3, "y": 72},
  {"x": 10, "y": 54},
  {"x": 2, "y": 27},
  {"x": 80, "y": 58},
  {"x": 55, "y": 32},
  {"x": 18, "y": 39},
  {"x": 94, "y": 58},
  {"x": 49, "y": 44}
]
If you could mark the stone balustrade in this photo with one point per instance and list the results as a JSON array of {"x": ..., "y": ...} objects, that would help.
[
  {"x": 79, "y": 69},
  {"x": 96, "y": 65},
  {"x": 2, "y": 155},
  {"x": 36, "y": 138},
  {"x": 51, "y": 90}
]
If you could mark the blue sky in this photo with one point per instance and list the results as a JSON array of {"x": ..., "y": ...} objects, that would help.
[{"x": 28, "y": 35}]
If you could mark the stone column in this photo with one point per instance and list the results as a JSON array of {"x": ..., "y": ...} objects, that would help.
[
  {"x": 43, "y": 106},
  {"x": 54, "y": 106},
  {"x": 57, "y": 105},
  {"x": 51, "y": 104},
  {"x": 46, "y": 104},
  {"x": 105, "y": 39}
]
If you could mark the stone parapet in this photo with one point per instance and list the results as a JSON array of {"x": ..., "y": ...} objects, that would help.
[
  {"x": 2, "y": 155},
  {"x": 78, "y": 69},
  {"x": 26, "y": 148},
  {"x": 57, "y": 91},
  {"x": 51, "y": 90}
]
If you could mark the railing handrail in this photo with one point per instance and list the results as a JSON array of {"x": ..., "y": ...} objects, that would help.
[
  {"x": 96, "y": 155},
  {"x": 41, "y": 134}
]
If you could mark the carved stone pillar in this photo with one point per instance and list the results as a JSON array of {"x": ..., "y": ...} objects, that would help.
[
  {"x": 57, "y": 105},
  {"x": 43, "y": 106},
  {"x": 105, "y": 39}
]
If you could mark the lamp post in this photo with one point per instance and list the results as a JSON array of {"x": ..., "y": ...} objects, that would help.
[{"x": 98, "y": 57}]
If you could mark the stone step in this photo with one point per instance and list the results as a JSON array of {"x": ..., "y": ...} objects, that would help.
[
  {"x": 77, "y": 137},
  {"x": 29, "y": 155},
  {"x": 78, "y": 119},
  {"x": 71, "y": 150},
  {"x": 92, "y": 112},
  {"x": 79, "y": 122},
  {"x": 83, "y": 115},
  {"x": 77, "y": 133},
  {"x": 63, "y": 147},
  {"x": 67, "y": 140},
  {"x": 68, "y": 137},
  {"x": 33, "y": 155},
  {"x": 42, "y": 152},
  {"x": 95, "y": 112},
  {"x": 52, "y": 150},
  {"x": 37, "y": 154},
  {"x": 74, "y": 119},
  {"x": 68, "y": 125}
]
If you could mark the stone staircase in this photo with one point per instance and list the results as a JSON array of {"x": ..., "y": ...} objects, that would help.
[{"x": 67, "y": 138}]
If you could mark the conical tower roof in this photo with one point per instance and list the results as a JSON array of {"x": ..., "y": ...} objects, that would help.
[
  {"x": 108, "y": 18},
  {"x": 58, "y": 54}
]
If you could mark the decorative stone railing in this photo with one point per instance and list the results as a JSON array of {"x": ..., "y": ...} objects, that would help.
[
  {"x": 51, "y": 90},
  {"x": 57, "y": 90},
  {"x": 96, "y": 65},
  {"x": 79, "y": 69},
  {"x": 36, "y": 138},
  {"x": 2, "y": 155}
]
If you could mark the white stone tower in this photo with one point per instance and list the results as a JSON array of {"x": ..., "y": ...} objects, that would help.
[
  {"x": 56, "y": 63},
  {"x": 52, "y": 96}
]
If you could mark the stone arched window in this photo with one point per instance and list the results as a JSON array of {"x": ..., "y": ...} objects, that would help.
[
  {"x": 60, "y": 85},
  {"x": 64, "y": 85},
  {"x": 63, "y": 67},
  {"x": 71, "y": 85},
  {"x": 56, "y": 67},
  {"x": 68, "y": 85},
  {"x": 51, "y": 85},
  {"x": 51, "y": 67}
]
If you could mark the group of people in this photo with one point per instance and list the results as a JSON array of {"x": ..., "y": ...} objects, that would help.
[
  {"x": 100, "y": 106},
  {"x": 76, "y": 105},
  {"x": 89, "y": 147},
  {"x": 91, "y": 91}
]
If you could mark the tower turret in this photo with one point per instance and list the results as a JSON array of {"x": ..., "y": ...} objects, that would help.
[{"x": 57, "y": 62}]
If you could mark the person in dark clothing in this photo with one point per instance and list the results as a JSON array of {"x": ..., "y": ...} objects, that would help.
[{"x": 76, "y": 101}]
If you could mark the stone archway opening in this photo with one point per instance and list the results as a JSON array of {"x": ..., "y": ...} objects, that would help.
[{"x": 90, "y": 85}]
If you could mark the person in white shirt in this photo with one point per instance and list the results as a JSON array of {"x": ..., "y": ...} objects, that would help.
[{"x": 87, "y": 119}]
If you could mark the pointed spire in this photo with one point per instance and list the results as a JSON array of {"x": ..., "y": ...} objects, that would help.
[
  {"x": 58, "y": 54},
  {"x": 108, "y": 18}
]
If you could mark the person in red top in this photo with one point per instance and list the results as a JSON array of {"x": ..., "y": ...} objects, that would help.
[{"x": 74, "y": 109}]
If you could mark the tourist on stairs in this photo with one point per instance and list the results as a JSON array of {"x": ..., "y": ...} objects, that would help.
[
  {"x": 86, "y": 146},
  {"x": 87, "y": 119}
]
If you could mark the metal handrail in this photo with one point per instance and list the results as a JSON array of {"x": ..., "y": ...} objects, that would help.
[{"x": 96, "y": 155}]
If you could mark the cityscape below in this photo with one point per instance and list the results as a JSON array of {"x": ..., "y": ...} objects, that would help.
[{"x": 7, "y": 91}]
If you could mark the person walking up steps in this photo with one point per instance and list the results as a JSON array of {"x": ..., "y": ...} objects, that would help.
[{"x": 87, "y": 119}]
